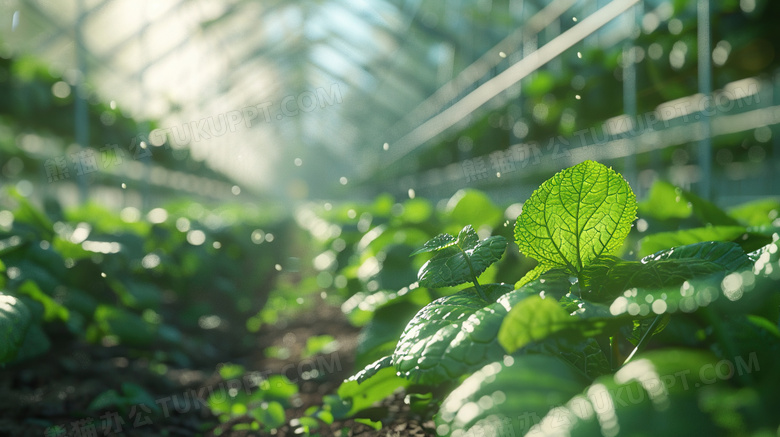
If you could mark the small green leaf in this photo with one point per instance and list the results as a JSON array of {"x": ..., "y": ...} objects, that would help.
[
  {"x": 438, "y": 242},
  {"x": 276, "y": 387},
  {"x": 270, "y": 414},
  {"x": 230, "y": 371},
  {"x": 51, "y": 309},
  {"x": 462, "y": 260},
  {"x": 530, "y": 320},
  {"x": 319, "y": 344},
  {"x": 376, "y": 425},
  {"x": 509, "y": 396},
  {"x": 372, "y": 369},
  {"x": 581, "y": 213},
  {"x": 128, "y": 327},
  {"x": 372, "y": 384},
  {"x": 137, "y": 395},
  {"x": 132, "y": 394},
  {"x": 107, "y": 399}
]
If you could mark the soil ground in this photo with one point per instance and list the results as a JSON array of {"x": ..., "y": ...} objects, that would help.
[{"x": 49, "y": 395}]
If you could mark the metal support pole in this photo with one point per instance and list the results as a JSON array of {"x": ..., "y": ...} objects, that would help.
[
  {"x": 629, "y": 94},
  {"x": 81, "y": 106},
  {"x": 705, "y": 88},
  {"x": 774, "y": 162}
]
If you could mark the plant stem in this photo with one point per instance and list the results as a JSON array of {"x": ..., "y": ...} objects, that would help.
[
  {"x": 473, "y": 274},
  {"x": 480, "y": 290},
  {"x": 644, "y": 339}
]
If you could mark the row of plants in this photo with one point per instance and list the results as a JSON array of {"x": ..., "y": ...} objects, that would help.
[
  {"x": 168, "y": 287},
  {"x": 592, "y": 314},
  {"x": 575, "y": 312}
]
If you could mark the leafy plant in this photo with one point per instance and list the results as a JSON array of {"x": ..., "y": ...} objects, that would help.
[
  {"x": 131, "y": 394},
  {"x": 577, "y": 331},
  {"x": 263, "y": 407},
  {"x": 578, "y": 215},
  {"x": 459, "y": 260}
]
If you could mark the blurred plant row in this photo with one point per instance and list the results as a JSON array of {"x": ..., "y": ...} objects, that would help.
[{"x": 161, "y": 282}]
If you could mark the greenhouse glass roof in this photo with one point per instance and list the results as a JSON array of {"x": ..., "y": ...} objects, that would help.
[{"x": 307, "y": 97}]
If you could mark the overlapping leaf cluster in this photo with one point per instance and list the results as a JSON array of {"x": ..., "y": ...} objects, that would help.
[{"x": 574, "y": 335}]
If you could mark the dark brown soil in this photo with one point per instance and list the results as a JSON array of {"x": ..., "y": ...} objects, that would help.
[{"x": 49, "y": 395}]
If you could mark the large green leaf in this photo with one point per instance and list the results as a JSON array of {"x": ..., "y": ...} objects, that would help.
[
  {"x": 665, "y": 240},
  {"x": 581, "y": 213},
  {"x": 14, "y": 323},
  {"x": 459, "y": 261},
  {"x": 35, "y": 343},
  {"x": 457, "y": 334},
  {"x": 539, "y": 318},
  {"x": 659, "y": 393},
  {"x": 379, "y": 337},
  {"x": 472, "y": 207},
  {"x": 509, "y": 396},
  {"x": 532, "y": 319},
  {"x": 762, "y": 212},
  {"x": 734, "y": 283},
  {"x": 607, "y": 277},
  {"x": 51, "y": 309},
  {"x": 31, "y": 217},
  {"x": 584, "y": 354},
  {"x": 454, "y": 335},
  {"x": 128, "y": 327},
  {"x": 729, "y": 256},
  {"x": 665, "y": 201}
]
